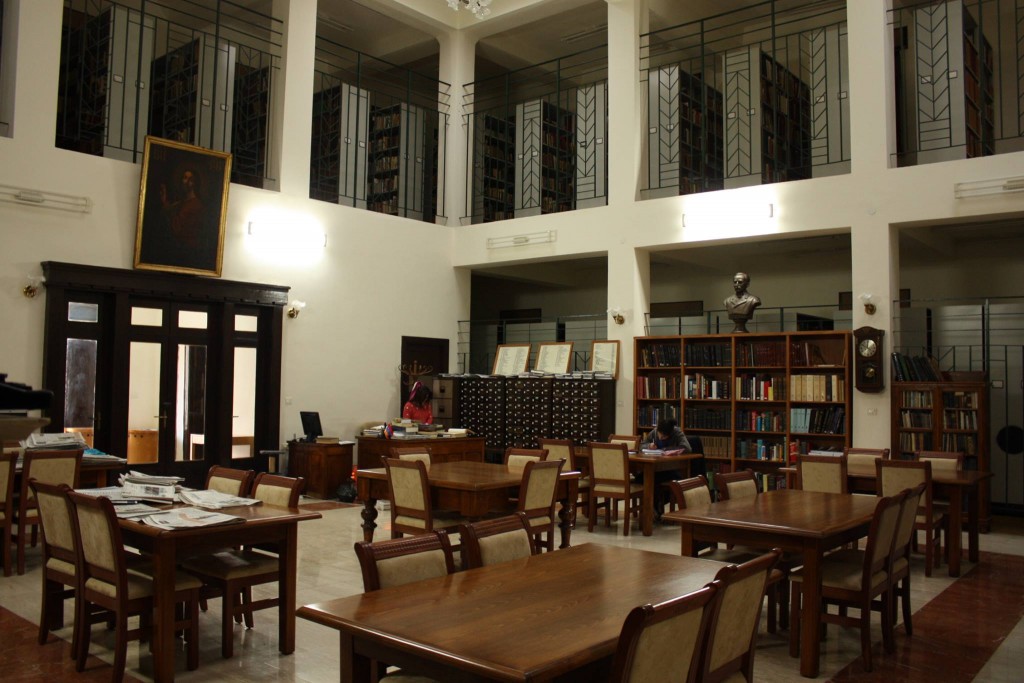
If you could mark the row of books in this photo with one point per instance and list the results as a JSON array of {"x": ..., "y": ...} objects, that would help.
[
  {"x": 715, "y": 446},
  {"x": 660, "y": 356},
  {"x": 960, "y": 399},
  {"x": 750, "y": 387},
  {"x": 915, "y": 368},
  {"x": 817, "y": 387},
  {"x": 761, "y": 353},
  {"x": 663, "y": 386},
  {"x": 809, "y": 354},
  {"x": 830, "y": 420},
  {"x": 716, "y": 355},
  {"x": 761, "y": 421},
  {"x": 705, "y": 386},
  {"x": 915, "y": 419},
  {"x": 707, "y": 418},
  {"x": 968, "y": 443},
  {"x": 959, "y": 419},
  {"x": 649, "y": 416},
  {"x": 917, "y": 399},
  {"x": 760, "y": 449},
  {"x": 915, "y": 441}
]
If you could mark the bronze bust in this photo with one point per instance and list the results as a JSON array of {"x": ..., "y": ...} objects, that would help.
[{"x": 741, "y": 305}]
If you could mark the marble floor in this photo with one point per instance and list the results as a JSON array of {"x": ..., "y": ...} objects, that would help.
[{"x": 964, "y": 630}]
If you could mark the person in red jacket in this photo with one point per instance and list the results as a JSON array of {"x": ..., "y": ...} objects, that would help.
[{"x": 418, "y": 406}]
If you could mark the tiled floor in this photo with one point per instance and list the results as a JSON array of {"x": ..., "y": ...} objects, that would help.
[{"x": 964, "y": 630}]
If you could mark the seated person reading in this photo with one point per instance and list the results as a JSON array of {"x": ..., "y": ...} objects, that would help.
[
  {"x": 667, "y": 436},
  {"x": 418, "y": 407}
]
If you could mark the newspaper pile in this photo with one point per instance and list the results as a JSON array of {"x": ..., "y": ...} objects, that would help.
[
  {"x": 189, "y": 518},
  {"x": 214, "y": 500},
  {"x": 150, "y": 486}
]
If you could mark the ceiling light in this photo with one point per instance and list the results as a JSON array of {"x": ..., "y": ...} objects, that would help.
[
  {"x": 522, "y": 240},
  {"x": 979, "y": 188},
  {"x": 479, "y": 8}
]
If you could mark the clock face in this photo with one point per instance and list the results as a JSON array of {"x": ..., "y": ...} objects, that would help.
[{"x": 867, "y": 348}]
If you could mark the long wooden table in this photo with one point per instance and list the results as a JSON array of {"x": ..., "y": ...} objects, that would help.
[
  {"x": 966, "y": 484},
  {"x": 472, "y": 488},
  {"x": 648, "y": 465},
  {"x": 533, "y": 619},
  {"x": 804, "y": 522},
  {"x": 263, "y": 524}
]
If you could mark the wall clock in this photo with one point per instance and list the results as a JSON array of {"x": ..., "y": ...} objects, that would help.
[{"x": 868, "y": 364}]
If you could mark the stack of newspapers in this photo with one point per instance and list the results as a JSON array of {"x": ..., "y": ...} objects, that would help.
[
  {"x": 214, "y": 500},
  {"x": 189, "y": 518},
  {"x": 150, "y": 486}
]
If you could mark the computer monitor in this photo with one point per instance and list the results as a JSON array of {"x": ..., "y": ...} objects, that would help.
[{"x": 311, "y": 424}]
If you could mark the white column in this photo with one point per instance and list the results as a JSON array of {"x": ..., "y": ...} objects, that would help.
[
  {"x": 629, "y": 289},
  {"x": 872, "y": 85},
  {"x": 37, "y": 71},
  {"x": 627, "y": 19},
  {"x": 456, "y": 68},
  {"x": 293, "y": 99}
]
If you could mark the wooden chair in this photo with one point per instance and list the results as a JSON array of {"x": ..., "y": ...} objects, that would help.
[
  {"x": 409, "y": 491},
  {"x": 609, "y": 479},
  {"x": 565, "y": 449},
  {"x": 500, "y": 539},
  {"x": 398, "y": 561},
  {"x": 516, "y": 458},
  {"x": 412, "y": 453},
  {"x": 865, "y": 457},
  {"x": 662, "y": 638},
  {"x": 825, "y": 473},
  {"x": 855, "y": 578},
  {"x": 732, "y": 485},
  {"x": 732, "y": 633},
  {"x": 537, "y": 500},
  {"x": 632, "y": 441},
  {"x": 104, "y": 580},
  {"x": 696, "y": 446},
  {"x": 893, "y": 476},
  {"x": 59, "y": 559},
  {"x": 229, "y": 481},
  {"x": 233, "y": 573},
  {"x": 7, "y": 464},
  {"x": 944, "y": 463},
  {"x": 899, "y": 573},
  {"x": 48, "y": 467}
]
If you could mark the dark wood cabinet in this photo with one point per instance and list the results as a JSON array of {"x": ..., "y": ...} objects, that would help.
[
  {"x": 324, "y": 466},
  {"x": 372, "y": 449}
]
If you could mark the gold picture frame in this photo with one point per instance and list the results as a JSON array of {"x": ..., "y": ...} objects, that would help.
[
  {"x": 183, "y": 204},
  {"x": 604, "y": 356},
  {"x": 511, "y": 359}
]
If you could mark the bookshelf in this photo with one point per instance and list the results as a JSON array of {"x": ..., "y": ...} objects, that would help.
[
  {"x": 754, "y": 399},
  {"x": 383, "y": 156},
  {"x": 325, "y": 155},
  {"x": 497, "y": 151},
  {"x": 545, "y": 157},
  {"x": 944, "y": 416},
  {"x": 701, "y": 146},
  {"x": 250, "y": 125}
]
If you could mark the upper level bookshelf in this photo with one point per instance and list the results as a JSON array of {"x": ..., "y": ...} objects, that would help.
[{"x": 754, "y": 399}]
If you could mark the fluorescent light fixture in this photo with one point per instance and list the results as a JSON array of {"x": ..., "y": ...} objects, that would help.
[
  {"x": 522, "y": 240},
  {"x": 297, "y": 235},
  {"x": 979, "y": 188},
  {"x": 729, "y": 214},
  {"x": 45, "y": 199}
]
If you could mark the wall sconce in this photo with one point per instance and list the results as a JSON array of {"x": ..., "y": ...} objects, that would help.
[
  {"x": 616, "y": 314},
  {"x": 869, "y": 305},
  {"x": 729, "y": 214},
  {"x": 288, "y": 235},
  {"x": 296, "y": 308},
  {"x": 45, "y": 199},
  {"x": 32, "y": 288},
  {"x": 980, "y": 188},
  {"x": 522, "y": 240}
]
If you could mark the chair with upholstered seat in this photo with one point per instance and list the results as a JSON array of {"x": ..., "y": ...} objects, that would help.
[
  {"x": 609, "y": 479},
  {"x": 49, "y": 467},
  {"x": 412, "y": 453},
  {"x": 854, "y": 578},
  {"x": 899, "y": 574},
  {"x": 537, "y": 500},
  {"x": 893, "y": 476},
  {"x": 106, "y": 581},
  {"x": 696, "y": 467},
  {"x": 231, "y": 573},
  {"x": 409, "y": 492},
  {"x": 230, "y": 481},
  {"x": 516, "y": 458},
  {"x": 632, "y": 441},
  {"x": 825, "y": 473},
  {"x": 736, "y": 613},
  {"x": 733, "y": 485},
  {"x": 59, "y": 559},
  {"x": 7, "y": 463},
  {"x": 944, "y": 463},
  {"x": 397, "y": 561},
  {"x": 864, "y": 457},
  {"x": 565, "y": 449},
  {"x": 662, "y": 638},
  {"x": 495, "y": 540}
]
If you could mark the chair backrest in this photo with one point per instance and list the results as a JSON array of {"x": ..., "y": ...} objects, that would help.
[
  {"x": 609, "y": 465},
  {"x": 944, "y": 463},
  {"x": 908, "y": 516},
  {"x": 49, "y": 467},
  {"x": 7, "y": 464},
  {"x": 101, "y": 550},
  {"x": 398, "y": 561},
  {"x": 865, "y": 457},
  {"x": 732, "y": 633},
  {"x": 57, "y": 527},
  {"x": 409, "y": 491},
  {"x": 696, "y": 444},
  {"x": 732, "y": 485},
  {"x": 230, "y": 481},
  {"x": 560, "y": 449},
  {"x": 273, "y": 489},
  {"x": 893, "y": 476},
  {"x": 631, "y": 440},
  {"x": 496, "y": 540},
  {"x": 412, "y": 453},
  {"x": 825, "y": 473},
  {"x": 516, "y": 458},
  {"x": 662, "y": 638},
  {"x": 539, "y": 487},
  {"x": 691, "y": 493},
  {"x": 882, "y": 536}
]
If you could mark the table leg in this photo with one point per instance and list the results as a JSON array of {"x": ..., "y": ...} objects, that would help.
[
  {"x": 566, "y": 512},
  {"x": 810, "y": 613},
  {"x": 287, "y": 567},
  {"x": 686, "y": 549},
  {"x": 953, "y": 540},
  {"x": 973, "y": 524},
  {"x": 164, "y": 568},
  {"x": 647, "y": 508},
  {"x": 369, "y": 515},
  {"x": 354, "y": 668}
]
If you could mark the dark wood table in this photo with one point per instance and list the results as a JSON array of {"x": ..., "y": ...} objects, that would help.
[
  {"x": 534, "y": 619},
  {"x": 966, "y": 484},
  {"x": 804, "y": 522},
  {"x": 472, "y": 488},
  {"x": 648, "y": 465},
  {"x": 263, "y": 524}
]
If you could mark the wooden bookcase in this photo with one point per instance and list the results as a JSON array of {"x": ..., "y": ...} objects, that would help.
[
  {"x": 754, "y": 399},
  {"x": 497, "y": 178},
  {"x": 944, "y": 416},
  {"x": 382, "y": 191},
  {"x": 701, "y": 143},
  {"x": 250, "y": 126}
]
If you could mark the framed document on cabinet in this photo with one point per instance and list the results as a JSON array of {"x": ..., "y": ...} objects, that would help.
[
  {"x": 554, "y": 357},
  {"x": 511, "y": 359},
  {"x": 604, "y": 357}
]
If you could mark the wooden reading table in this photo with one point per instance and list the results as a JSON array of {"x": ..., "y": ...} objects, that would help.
[{"x": 509, "y": 621}]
